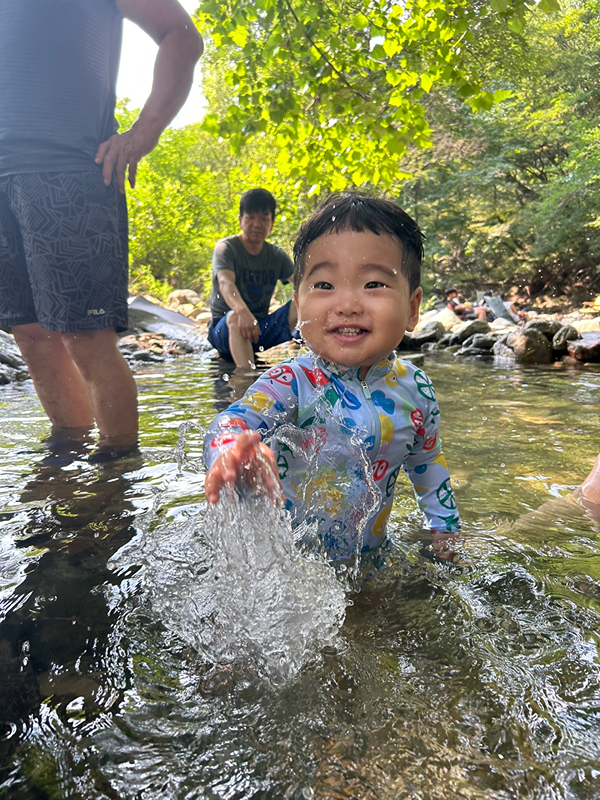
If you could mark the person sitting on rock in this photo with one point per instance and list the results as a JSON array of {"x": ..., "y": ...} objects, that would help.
[
  {"x": 246, "y": 269},
  {"x": 461, "y": 310}
]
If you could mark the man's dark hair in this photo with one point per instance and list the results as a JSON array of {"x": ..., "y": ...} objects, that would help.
[
  {"x": 355, "y": 211},
  {"x": 450, "y": 290},
  {"x": 257, "y": 201}
]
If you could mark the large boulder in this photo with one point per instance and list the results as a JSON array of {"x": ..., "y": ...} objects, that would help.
[
  {"x": 9, "y": 352},
  {"x": 480, "y": 341},
  {"x": 587, "y": 325},
  {"x": 183, "y": 297},
  {"x": 527, "y": 347},
  {"x": 444, "y": 316},
  {"x": 432, "y": 332},
  {"x": 587, "y": 348},
  {"x": 503, "y": 352},
  {"x": 549, "y": 327},
  {"x": 468, "y": 329}
]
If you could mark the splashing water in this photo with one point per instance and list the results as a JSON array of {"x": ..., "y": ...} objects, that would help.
[
  {"x": 232, "y": 584},
  {"x": 231, "y": 579}
]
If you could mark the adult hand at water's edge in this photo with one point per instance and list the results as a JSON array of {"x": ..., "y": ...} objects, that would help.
[
  {"x": 248, "y": 325},
  {"x": 247, "y": 460},
  {"x": 589, "y": 492}
]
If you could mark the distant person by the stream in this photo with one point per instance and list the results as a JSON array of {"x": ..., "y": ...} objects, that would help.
[
  {"x": 462, "y": 310},
  {"x": 246, "y": 269},
  {"x": 63, "y": 216},
  {"x": 350, "y": 413}
]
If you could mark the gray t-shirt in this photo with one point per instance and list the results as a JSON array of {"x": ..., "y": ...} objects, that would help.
[
  {"x": 58, "y": 72},
  {"x": 255, "y": 276}
]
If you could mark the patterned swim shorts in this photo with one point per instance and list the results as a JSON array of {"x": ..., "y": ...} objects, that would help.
[{"x": 63, "y": 251}]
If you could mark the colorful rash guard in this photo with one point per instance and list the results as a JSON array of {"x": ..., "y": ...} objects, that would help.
[{"x": 340, "y": 443}]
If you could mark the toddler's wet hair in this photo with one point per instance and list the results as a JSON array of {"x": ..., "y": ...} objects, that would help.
[{"x": 356, "y": 211}]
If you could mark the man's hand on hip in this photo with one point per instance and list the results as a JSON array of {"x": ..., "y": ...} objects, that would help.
[{"x": 121, "y": 150}]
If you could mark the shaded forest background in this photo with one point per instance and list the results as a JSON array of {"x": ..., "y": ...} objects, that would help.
[{"x": 496, "y": 152}]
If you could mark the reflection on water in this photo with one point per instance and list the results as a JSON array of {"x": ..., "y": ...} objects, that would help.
[{"x": 443, "y": 682}]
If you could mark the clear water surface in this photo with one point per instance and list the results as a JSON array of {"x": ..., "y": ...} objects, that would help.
[{"x": 152, "y": 649}]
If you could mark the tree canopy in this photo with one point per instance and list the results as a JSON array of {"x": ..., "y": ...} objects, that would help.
[
  {"x": 480, "y": 119},
  {"x": 341, "y": 84}
]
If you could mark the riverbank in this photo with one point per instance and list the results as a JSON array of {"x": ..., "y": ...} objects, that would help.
[{"x": 158, "y": 332}]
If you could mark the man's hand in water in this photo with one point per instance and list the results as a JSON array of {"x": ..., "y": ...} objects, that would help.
[{"x": 248, "y": 461}]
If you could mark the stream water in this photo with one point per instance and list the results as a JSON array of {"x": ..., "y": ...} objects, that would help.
[{"x": 153, "y": 648}]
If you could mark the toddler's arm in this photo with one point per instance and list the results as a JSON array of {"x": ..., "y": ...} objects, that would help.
[{"x": 247, "y": 460}]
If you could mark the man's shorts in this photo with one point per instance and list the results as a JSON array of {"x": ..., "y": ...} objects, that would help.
[
  {"x": 274, "y": 330},
  {"x": 63, "y": 251}
]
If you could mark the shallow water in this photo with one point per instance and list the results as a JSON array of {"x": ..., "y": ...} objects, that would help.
[{"x": 119, "y": 680}]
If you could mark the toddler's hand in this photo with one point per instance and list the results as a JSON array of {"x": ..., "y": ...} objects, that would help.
[
  {"x": 249, "y": 461},
  {"x": 441, "y": 547}
]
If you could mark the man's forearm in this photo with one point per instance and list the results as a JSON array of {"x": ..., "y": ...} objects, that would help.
[
  {"x": 177, "y": 56},
  {"x": 179, "y": 48},
  {"x": 232, "y": 297}
]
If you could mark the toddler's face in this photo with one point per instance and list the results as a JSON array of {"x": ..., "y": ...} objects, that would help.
[{"x": 354, "y": 305}]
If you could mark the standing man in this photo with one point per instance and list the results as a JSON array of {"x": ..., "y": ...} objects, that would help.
[
  {"x": 63, "y": 217},
  {"x": 246, "y": 269}
]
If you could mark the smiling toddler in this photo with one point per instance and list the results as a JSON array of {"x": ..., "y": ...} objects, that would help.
[{"x": 344, "y": 415}]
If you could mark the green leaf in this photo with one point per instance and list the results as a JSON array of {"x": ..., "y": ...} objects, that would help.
[
  {"x": 502, "y": 94},
  {"x": 391, "y": 47},
  {"x": 426, "y": 82},
  {"x": 548, "y": 6},
  {"x": 359, "y": 21}
]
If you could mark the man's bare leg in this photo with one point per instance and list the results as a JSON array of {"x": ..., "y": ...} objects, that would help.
[
  {"x": 109, "y": 381},
  {"x": 240, "y": 348},
  {"x": 58, "y": 382}
]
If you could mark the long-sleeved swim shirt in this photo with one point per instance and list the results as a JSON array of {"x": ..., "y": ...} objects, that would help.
[{"x": 340, "y": 443}]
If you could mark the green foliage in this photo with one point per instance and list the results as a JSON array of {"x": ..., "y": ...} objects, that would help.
[
  {"x": 511, "y": 195},
  {"x": 342, "y": 84},
  {"x": 187, "y": 197},
  {"x": 506, "y": 192}
]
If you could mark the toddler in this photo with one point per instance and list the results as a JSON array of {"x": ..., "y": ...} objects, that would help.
[{"x": 346, "y": 413}]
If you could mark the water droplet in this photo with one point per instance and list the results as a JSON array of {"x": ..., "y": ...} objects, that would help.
[
  {"x": 225, "y": 378},
  {"x": 261, "y": 349},
  {"x": 333, "y": 219}
]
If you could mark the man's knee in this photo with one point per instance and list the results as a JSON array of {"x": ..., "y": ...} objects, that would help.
[
  {"x": 88, "y": 349},
  {"x": 32, "y": 339},
  {"x": 232, "y": 321}
]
